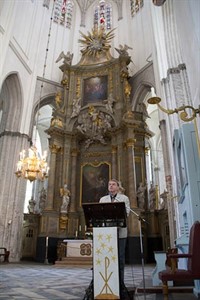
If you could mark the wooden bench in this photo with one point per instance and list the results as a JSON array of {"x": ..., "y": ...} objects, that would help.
[{"x": 5, "y": 254}]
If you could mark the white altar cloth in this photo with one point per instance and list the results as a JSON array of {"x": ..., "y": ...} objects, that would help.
[{"x": 79, "y": 248}]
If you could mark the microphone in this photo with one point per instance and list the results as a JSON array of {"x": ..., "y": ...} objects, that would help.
[{"x": 131, "y": 210}]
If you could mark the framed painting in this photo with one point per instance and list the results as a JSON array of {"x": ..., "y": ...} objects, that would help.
[
  {"x": 95, "y": 89},
  {"x": 94, "y": 181}
]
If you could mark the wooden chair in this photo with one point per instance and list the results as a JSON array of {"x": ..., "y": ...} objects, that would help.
[{"x": 193, "y": 263}]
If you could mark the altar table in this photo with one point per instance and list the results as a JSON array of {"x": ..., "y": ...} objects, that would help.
[{"x": 78, "y": 248}]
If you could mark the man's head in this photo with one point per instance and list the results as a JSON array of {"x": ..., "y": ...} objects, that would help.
[{"x": 113, "y": 186}]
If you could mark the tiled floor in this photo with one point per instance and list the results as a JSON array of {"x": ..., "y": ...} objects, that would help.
[{"x": 35, "y": 281}]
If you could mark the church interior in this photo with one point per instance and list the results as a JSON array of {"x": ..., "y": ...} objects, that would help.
[{"x": 92, "y": 90}]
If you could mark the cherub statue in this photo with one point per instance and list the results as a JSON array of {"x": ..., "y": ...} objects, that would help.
[
  {"x": 58, "y": 99},
  {"x": 127, "y": 88},
  {"x": 76, "y": 107},
  {"x": 109, "y": 103}
]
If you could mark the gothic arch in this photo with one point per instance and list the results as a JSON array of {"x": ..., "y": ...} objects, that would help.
[
  {"x": 11, "y": 103},
  {"x": 140, "y": 92},
  {"x": 45, "y": 100}
]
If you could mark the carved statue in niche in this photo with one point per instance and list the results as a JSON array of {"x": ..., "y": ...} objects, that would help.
[
  {"x": 141, "y": 195},
  {"x": 65, "y": 193},
  {"x": 163, "y": 196},
  {"x": 43, "y": 197},
  {"x": 31, "y": 206},
  {"x": 152, "y": 197}
]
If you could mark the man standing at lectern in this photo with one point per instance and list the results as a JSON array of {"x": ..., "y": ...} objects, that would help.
[{"x": 115, "y": 196}]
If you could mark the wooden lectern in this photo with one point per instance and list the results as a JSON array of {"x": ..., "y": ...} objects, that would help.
[{"x": 105, "y": 218}]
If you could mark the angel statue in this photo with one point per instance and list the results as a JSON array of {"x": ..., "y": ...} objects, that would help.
[
  {"x": 122, "y": 50},
  {"x": 67, "y": 58}
]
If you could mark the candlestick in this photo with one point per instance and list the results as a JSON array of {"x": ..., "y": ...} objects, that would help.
[{"x": 47, "y": 241}]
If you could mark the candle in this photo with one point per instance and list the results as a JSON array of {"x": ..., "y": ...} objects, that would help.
[
  {"x": 47, "y": 241},
  {"x": 76, "y": 233},
  {"x": 79, "y": 227},
  {"x": 85, "y": 228}
]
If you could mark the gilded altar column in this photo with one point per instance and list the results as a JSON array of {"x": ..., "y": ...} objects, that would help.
[
  {"x": 114, "y": 162},
  {"x": 51, "y": 181},
  {"x": 131, "y": 172},
  {"x": 73, "y": 180}
]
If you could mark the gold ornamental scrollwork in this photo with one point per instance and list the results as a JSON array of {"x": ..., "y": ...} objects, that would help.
[
  {"x": 54, "y": 148},
  {"x": 78, "y": 87},
  {"x": 57, "y": 122},
  {"x": 130, "y": 143},
  {"x": 146, "y": 150},
  {"x": 74, "y": 152},
  {"x": 114, "y": 149}
]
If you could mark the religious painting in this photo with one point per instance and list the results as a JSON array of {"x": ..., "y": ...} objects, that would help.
[
  {"x": 95, "y": 89},
  {"x": 94, "y": 181}
]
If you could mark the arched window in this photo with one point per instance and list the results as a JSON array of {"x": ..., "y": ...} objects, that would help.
[
  {"x": 103, "y": 14},
  {"x": 63, "y": 12}
]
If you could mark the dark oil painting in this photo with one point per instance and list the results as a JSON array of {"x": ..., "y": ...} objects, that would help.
[{"x": 94, "y": 182}]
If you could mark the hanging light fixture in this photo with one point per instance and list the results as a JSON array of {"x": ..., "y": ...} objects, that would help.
[{"x": 33, "y": 166}]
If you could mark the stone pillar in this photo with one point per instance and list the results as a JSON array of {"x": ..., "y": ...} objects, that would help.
[
  {"x": 73, "y": 180},
  {"x": 168, "y": 177},
  {"x": 51, "y": 182},
  {"x": 114, "y": 163},
  {"x": 12, "y": 193}
]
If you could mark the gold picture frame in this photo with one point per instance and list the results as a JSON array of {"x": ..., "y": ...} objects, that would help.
[{"x": 94, "y": 181}]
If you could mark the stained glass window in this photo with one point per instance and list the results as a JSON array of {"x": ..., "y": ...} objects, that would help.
[
  {"x": 103, "y": 14},
  {"x": 135, "y": 6},
  {"x": 63, "y": 12}
]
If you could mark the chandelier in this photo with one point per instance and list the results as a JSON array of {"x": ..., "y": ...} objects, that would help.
[{"x": 33, "y": 166}]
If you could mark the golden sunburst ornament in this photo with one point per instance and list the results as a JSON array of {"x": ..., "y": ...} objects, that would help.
[{"x": 96, "y": 42}]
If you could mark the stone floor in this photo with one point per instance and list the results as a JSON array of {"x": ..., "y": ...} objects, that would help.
[{"x": 24, "y": 281}]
